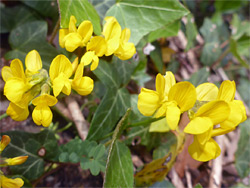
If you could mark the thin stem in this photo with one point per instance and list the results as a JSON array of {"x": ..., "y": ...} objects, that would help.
[
  {"x": 56, "y": 28},
  {"x": 65, "y": 128},
  {"x": 221, "y": 58},
  {"x": 3, "y": 116}
]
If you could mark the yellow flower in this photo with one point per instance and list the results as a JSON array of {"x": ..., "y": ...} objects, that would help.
[
  {"x": 33, "y": 63},
  {"x": 10, "y": 183},
  {"x": 201, "y": 125},
  {"x": 4, "y": 142},
  {"x": 169, "y": 99},
  {"x": 16, "y": 83},
  {"x": 42, "y": 114},
  {"x": 60, "y": 72},
  {"x": 73, "y": 37},
  {"x": 16, "y": 160},
  {"x": 83, "y": 85},
  {"x": 210, "y": 92},
  {"x": 96, "y": 47},
  {"x": 126, "y": 49},
  {"x": 112, "y": 33}
]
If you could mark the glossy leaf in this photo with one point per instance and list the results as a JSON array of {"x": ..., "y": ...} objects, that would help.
[
  {"x": 155, "y": 14},
  {"x": 114, "y": 104},
  {"x": 102, "y": 6},
  {"x": 119, "y": 169},
  {"x": 23, "y": 143},
  {"x": 28, "y": 37},
  {"x": 82, "y": 10}
]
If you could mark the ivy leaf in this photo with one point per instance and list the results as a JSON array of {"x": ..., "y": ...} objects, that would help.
[
  {"x": 200, "y": 76},
  {"x": 112, "y": 107},
  {"x": 23, "y": 143},
  {"x": 31, "y": 36},
  {"x": 102, "y": 6},
  {"x": 82, "y": 10},
  {"x": 147, "y": 15},
  {"x": 243, "y": 152}
]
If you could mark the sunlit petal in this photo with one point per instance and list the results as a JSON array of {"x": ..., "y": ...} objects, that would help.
[
  {"x": 207, "y": 92},
  {"x": 173, "y": 116},
  {"x": 198, "y": 125},
  {"x": 227, "y": 91},
  {"x": 33, "y": 62}
]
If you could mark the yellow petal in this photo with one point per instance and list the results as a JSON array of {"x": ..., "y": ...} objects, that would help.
[
  {"x": 17, "y": 69},
  {"x": 125, "y": 51},
  {"x": 161, "y": 111},
  {"x": 17, "y": 113},
  {"x": 217, "y": 111},
  {"x": 72, "y": 41},
  {"x": 15, "y": 88},
  {"x": 227, "y": 91},
  {"x": 87, "y": 57},
  {"x": 112, "y": 33},
  {"x": 98, "y": 45},
  {"x": 10, "y": 183},
  {"x": 42, "y": 115},
  {"x": 198, "y": 125},
  {"x": 207, "y": 92},
  {"x": 4, "y": 142},
  {"x": 75, "y": 65},
  {"x": 62, "y": 34},
  {"x": 169, "y": 81},
  {"x": 84, "y": 86},
  {"x": 209, "y": 151},
  {"x": 160, "y": 85},
  {"x": 59, "y": 83},
  {"x": 159, "y": 126},
  {"x": 33, "y": 62},
  {"x": 6, "y": 73},
  {"x": 204, "y": 137},
  {"x": 184, "y": 94},
  {"x": 85, "y": 30},
  {"x": 78, "y": 73},
  {"x": 234, "y": 117},
  {"x": 67, "y": 87},
  {"x": 95, "y": 63},
  {"x": 148, "y": 102},
  {"x": 173, "y": 116},
  {"x": 125, "y": 35},
  {"x": 45, "y": 99},
  {"x": 16, "y": 160},
  {"x": 60, "y": 64},
  {"x": 72, "y": 24},
  {"x": 243, "y": 110}
]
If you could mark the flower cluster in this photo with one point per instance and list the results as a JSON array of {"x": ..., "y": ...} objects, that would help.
[
  {"x": 4, "y": 181},
  {"x": 114, "y": 41},
  {"x": 211, "y": 111},
  {"x": 34, "y": 85}
]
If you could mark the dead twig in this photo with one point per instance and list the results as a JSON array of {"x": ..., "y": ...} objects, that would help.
[
  {"x": 79, "y": 120},
  {"x": 188, "y": 177},
  {"x": 216, "y": 173}
]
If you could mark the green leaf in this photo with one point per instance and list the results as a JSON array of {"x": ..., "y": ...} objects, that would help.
[
  {"x": 191, "y": 31},
  {"x": 11, "y": 17},
  {"x": 198, "y": 186},
  {"x": 243, "y": 152},
  {"x": 209, "y": 31},
  {"x": 210, "y": 53},
  {"x": 119, "y": 169},
  {"x": 169, "y": 30},
  {"x": 163, "y": 183},
  {"x": 28, "y": 37},
  {"x": 102, "y": 6},
  {"x": 108, "y": 75},
  {"x": 23, "y": 143},
  {"x": 156, "y": 56},
  {"x": 147, "y": 15},
  {"x": 114, "y": 104},
  {"x": 239, "y": 27},
  {"x": 82, "y": 10},
  {"x": 200, "y": 76},
  {"x": 45, "y": 8},
  {"x": 224, "y": 6},
  {"x": 235, "y": 51},
  {"x": 165, "y": 147},
  {"x": 242, "y": 88}
]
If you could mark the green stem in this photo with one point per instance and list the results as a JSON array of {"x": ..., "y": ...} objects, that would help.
[
  {"x": 146, "y": 122},
  {"x": 56, "y": 28},
  {"x": 3, "y": 116},
  {"x": 65, "y": 128}
]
